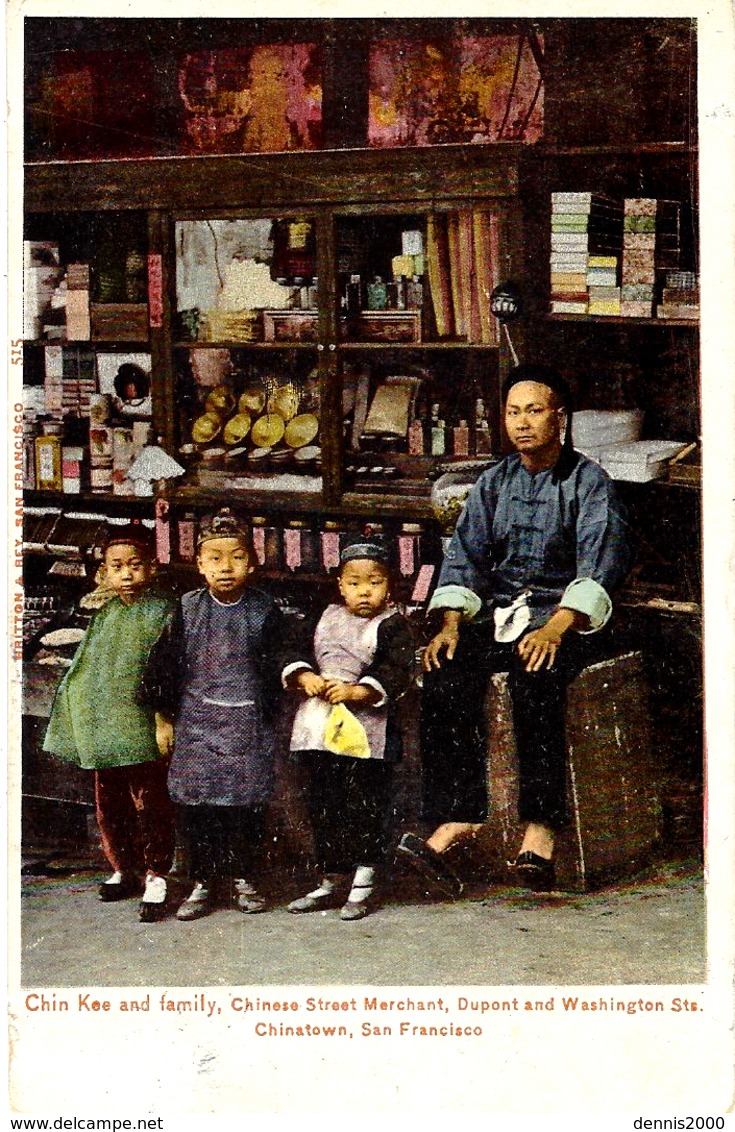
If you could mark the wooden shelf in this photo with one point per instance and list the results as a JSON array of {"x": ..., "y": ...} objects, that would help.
[
  {"x": 192, "y": 495},
  {"x": 661, "y": 605},
  {"x": 621, "y": 320},
  {"x": 245, "y": 346},
  {"x": 636, "y": 149},
  {"x": 117, "y": 345},
  {"x": 351, "y": 503},
  {"x": 418, "y": 345},
  {"x": 67, "y": 501},
  {"x": 186, "y": 184},
  {"x": 379, "y": 505},
  {"x": 344, "y": 344}
]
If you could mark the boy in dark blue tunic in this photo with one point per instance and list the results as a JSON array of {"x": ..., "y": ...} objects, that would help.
[{"x": 214, "y": 677}]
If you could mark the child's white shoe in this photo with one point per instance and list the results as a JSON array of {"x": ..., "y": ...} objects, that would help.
[
  {"x": 197, "y": 904},
  {"x": 317, "y": 900},
  {"x": 153, "y": 904},
  {"x": 247, "y": 899}
]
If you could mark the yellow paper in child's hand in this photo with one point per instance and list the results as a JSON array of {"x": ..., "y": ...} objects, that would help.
[{"x": 345, "y": 735}]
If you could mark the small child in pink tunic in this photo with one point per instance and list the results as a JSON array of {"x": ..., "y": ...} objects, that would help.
[{"x": 345, "y": 734}]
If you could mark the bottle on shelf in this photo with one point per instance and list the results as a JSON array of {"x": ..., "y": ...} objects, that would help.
[
  {"x": 163, "y": 532},
  {"x": 257, "y": 524},
  {"x": 461, "y": 439},
  {"x": 483, "y": 440},
  {"x": 48, "y": 456},
  {"x": 377, "y": 295},
  {"x": 310, "y": 548},
  {"x": 294, "y": 251},
  {"x": 414, "y": 293},
  {"x": 438, "y": 438},
  {"x": 353, "y": 296},
  {"x": 416, "y": 445}
]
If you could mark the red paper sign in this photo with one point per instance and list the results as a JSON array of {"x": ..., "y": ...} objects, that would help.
[{"x": 155, "y": 291}]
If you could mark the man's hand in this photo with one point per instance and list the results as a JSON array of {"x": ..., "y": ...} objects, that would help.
[
  {"x": 446, "y": 640},
  {"x": 310, "y": 683},
  {"x": 539, "y": 647},
  {"x": 164, "y": 736}
]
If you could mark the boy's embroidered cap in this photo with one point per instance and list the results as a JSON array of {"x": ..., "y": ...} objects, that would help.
[
  {"x": 364, "y": 546},
  {"x": 223, "y": 524},
  {"x": 131, "y": 534}
]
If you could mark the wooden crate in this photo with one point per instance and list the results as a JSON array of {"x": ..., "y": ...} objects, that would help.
[
  {"x": 389, "y": 326},
  {"x": 612, "y": 781},
  {"x": 119, "y": 322},
  {"x": 290, "y": 326}
]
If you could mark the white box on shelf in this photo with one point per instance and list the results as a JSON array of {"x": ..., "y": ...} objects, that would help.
[{"x": 639, "y": 460}]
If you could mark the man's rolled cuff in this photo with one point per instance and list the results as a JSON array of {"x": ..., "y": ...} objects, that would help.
[
  {"x": 584, "y": 595},
  {"x": 459, "y": 598}
]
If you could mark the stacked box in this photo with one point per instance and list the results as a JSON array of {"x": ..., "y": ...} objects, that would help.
[
  {"x": 100, "y": 443},
  {"x": 72, "y": 461},
  {"x": 77, "y": 302},
  {"x": 586, "y": 243},
  {"x": 123, "y": 454},
  {"x": 680, "y": 296},
  {"x": 668, "y": 235},
  {"x": 41, "y": 271},
  {"x": 119, "y": 322},
  {"x": 53, "y": 382},
  {"x": 639, "y": 254},
  {"x": 100, "y": 458},
  {"x": 79, "y": 382}
]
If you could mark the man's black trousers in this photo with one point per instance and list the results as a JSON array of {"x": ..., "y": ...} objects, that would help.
[{"x": 454, "y": 727}]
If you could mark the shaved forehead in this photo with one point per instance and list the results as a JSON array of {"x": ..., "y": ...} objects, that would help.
[{"x": 533, "y": 392}]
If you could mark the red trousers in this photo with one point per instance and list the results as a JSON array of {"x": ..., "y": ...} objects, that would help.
[{"x": 135, "y": 817}]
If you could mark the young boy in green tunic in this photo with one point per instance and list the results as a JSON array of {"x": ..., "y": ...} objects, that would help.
[{"x": 96, "y": 723}]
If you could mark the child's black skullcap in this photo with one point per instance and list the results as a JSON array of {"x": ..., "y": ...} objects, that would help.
[
  {"x": 223, "y": 524},
  {"x": 129, "y": 534},
  {"x": 364, "y": 546}
]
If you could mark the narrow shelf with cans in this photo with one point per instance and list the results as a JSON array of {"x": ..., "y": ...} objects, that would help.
[{"x": 304, "y": 551}]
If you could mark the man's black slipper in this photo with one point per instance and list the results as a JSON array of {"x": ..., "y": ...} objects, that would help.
[
  {"x": 428, "y": 862},
  {"x": 534, "y": 872}
]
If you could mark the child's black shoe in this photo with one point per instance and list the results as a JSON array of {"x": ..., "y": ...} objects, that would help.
[{"x": 119, "y": 887}]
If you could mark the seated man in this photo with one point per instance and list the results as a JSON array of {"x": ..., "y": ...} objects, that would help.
[{"x": 540, "y": 545}]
